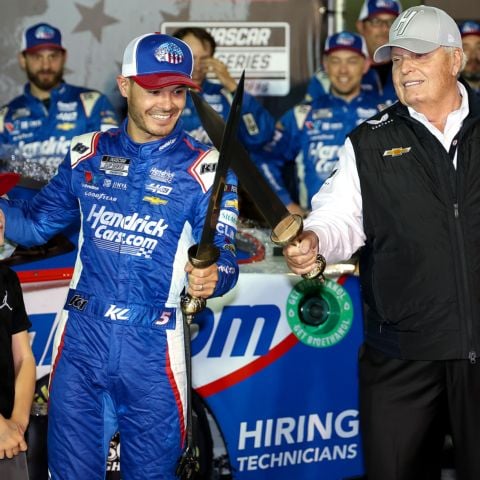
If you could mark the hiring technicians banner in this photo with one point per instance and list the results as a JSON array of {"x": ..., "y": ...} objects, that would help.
[{"x": 275, "y": 361}]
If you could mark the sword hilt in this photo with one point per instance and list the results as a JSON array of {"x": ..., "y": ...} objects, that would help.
[
  {"x": 286, "y": 231},
  {"x": 200, "y": 256}
]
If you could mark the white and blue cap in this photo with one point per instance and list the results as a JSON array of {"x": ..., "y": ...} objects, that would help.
[
  {"x": 420, "y": 29},
  {"x": 372, "y": 8},
  {"x": 346, "y": 41},
  {"x": 470, "y": 28},
  {"x": 156, "y": 61},
  {"x": 41, "y": 36}
]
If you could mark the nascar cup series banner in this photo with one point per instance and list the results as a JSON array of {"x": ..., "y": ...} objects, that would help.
[
  {"x": 261, "y": 49},
  {"x": 277, "y": 42}
]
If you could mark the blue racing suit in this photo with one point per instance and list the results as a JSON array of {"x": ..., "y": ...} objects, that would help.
[
  {"x": 311, "y": 134},
  {"x": 120, "y": 363},
  {"x": 256, "y": 125},
  {"x": 35, "y": 139}
]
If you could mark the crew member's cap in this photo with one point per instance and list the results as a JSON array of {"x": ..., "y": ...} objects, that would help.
[
  {"x": 470, "y": 28},
  {"x": 7, "y": 181},
  {"x": 156, "y": 61},
  {"x": 371, "y": 8},
  {"x": 40, "y": 36},
  {"x": 346, "y": 41},
  {"x": 420, "y": 29}
]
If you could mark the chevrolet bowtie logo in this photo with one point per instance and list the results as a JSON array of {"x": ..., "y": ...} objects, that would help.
[
  {"x": 154, "y": 200},
  {"x": 395, "y": 152}
]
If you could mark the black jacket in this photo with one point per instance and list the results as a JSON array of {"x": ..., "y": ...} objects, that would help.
[{"x": 420, "y": 267}]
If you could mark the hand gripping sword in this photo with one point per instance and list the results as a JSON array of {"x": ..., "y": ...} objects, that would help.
[
  {"x": 203, "y": 255},
  {"x": 286, "y": 227},
  {"x": 206, "y": 252}
]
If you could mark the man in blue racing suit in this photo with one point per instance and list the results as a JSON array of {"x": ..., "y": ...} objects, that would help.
[
  {"x": 470, "y": 32},
  {"x": 142, "y": 192},
  {"x": 37, "y": 126},
  {"x": 312, "y": 133},
  {"x": 257, "y": 124},
  {"x": 374, "y": 21}
]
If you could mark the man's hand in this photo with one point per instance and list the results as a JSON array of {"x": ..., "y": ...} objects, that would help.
[
  {"x": 2, "y": 228},
  {"x": 213, "y": 66},
  {"x": 295, "y": 208},
  {"x": 301, "y": 255},
  {"x": 201, "y": 281},
  {"x": 12, "y": 440}
]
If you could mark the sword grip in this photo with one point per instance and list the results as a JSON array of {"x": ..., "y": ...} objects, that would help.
[
  {"x": 200, "y": 256},
  {"x": 287, "y": 230},
  {"x": 317, "y": 270}
]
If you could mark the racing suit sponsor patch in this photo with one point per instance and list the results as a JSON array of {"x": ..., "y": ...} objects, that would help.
[
  {"x": 78, "y": 302},
  {"x": 158, "y": 189},
  {"x": 117, "y": 313},
  {"x": 115, "y": 165},
  {"x": 89, "y": 99},
  {"x": 230, "y": 188},
  {"x": 83, "y": 147},
  {"x": 130, "y": 235},
  {"x": 155, "y": 200},
  {"x": 250, "y": 124},
  {"x": 203, "y": 170},
  {"x": 165, "y": 176}
]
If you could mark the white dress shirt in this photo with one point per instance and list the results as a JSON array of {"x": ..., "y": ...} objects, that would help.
[{"x": 337, "y": 216}]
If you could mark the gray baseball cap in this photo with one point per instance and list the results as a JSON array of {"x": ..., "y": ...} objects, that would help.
[{"x": 420, "y": 29}]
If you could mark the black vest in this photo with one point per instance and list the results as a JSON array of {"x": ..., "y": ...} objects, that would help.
[{"x": 420, "y": 267}]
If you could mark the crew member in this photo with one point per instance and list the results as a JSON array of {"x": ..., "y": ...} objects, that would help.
[
  {"x": 36, "y": 127},
  {"x": 217, "y": 87},
  {"x": 374, "y": 21},
  {"x": 471, "y": 46},
  {"x": 311, "y": 134}
]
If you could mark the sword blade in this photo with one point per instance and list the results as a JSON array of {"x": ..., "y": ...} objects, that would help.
[
  {"x": 251, "y": 179},
  {"x": 226, "y": 148}
]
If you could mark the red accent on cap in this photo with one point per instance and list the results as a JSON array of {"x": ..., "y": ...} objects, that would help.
[
  {"x": 44, "y": 46},
  {"x": 344, "y": 47},
  {"x": 382, "y": 11},
  {"x": 155, "y": 81}
]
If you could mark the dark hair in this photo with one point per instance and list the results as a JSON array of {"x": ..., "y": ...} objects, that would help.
[{"x": 200, "y": 33}]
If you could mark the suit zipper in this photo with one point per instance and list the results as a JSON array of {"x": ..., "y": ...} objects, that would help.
[{"x": 472, "y": 354}]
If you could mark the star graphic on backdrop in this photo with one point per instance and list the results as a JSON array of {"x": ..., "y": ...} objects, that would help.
[{"x": 94, "y": 19}]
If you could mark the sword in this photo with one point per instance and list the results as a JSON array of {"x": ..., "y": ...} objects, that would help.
[
  {"x": 286, "y": 227},
  {"x": 206, "y": 252}
]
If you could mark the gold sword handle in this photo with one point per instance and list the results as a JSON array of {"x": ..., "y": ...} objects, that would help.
[
  {"x": 286, "y": 231},
  {"x": 317, "y": 270},
  {"x": 200, "y": 257}
]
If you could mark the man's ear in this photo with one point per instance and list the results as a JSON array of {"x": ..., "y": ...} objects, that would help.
[
  {"x": 360, "y": 26},
  {"x": 21, "y": 61},
  {"x": 457, "y": 62},
  {"x": 123, "y": 84}
]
